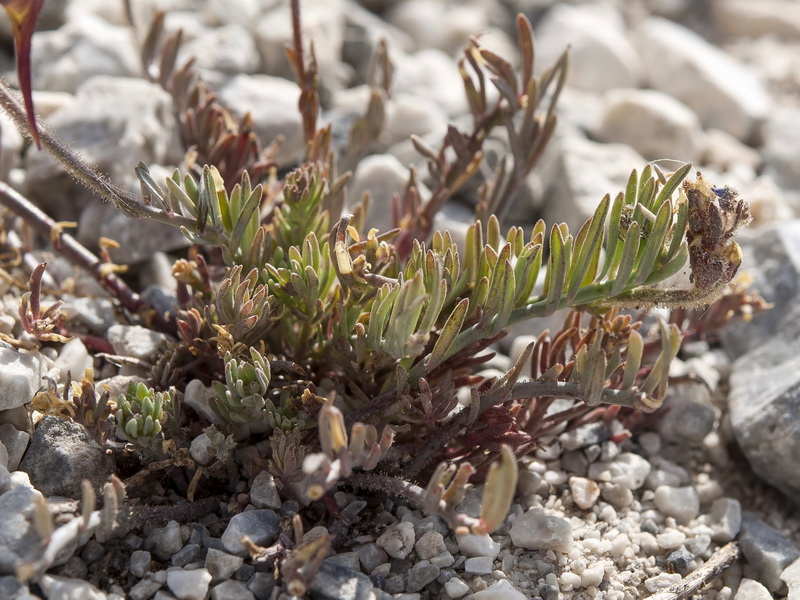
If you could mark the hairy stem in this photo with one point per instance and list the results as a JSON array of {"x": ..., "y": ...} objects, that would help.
[
  {"x": 126, "y": 202},
  {"x": 78, "y": 254}
]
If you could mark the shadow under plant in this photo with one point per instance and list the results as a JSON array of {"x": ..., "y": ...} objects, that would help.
[{"x": 305, "y": 346}]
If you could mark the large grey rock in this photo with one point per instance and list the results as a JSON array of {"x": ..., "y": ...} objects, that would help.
[
  {"x": 85, "y": 46},
  {"x": 764, "y": 403},
  {"x": 61, "y": 455},
  {"x": 653, "y": 123},
  {"x": 722, "y": 91},
  {"x": 772, "y": 259},
  {"x": 601, "y": 56},
  {"x": 272, "y": 102},
  {"x": 114, "y": 123},
  {"x": 767, "y": 551}
]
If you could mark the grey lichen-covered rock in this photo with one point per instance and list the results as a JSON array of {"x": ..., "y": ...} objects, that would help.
[
  {"x": 767, "y": 551},
  {"x": 61, "y": 455}
]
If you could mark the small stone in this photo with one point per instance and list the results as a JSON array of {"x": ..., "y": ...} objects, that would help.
[
  {"x": 536, "y": 530},
  {"x": 445, "y": 559},
  {"x": 420, "y": 575},
  {"x": 262, "y": 585},
  {"x": 264, "y": 493},
  {"x": 188, "y": 585},
  {"x": 370, "y": 556},
  {"x": 345, "y": 559},
  {"x": 136, "y": 341},
  {"x": 502, "y": 590},
  {"x": 616, "y": 495},
  {"x": 585, "y": 492},
  {"x": 260, "y": 525},
  {"x": 479, "y": 565},
  {"x": 73, "y": 360},
  {"x": 670, "y": 538},
  {"x": 58, "y": 588},
  {"x": 477, "y": 545},
  {"x": 15, "y": 442},
  {"x": 682, "y": 503},
  {"x": 661, "y": 581},
  {"x": 628, "y": 469},
  {"x": 139, "y": 563},
  {"x": 680, "y": 561},
  {"x": 455, "y": 587},
  {"x": 750, "y": 589},
  {"x": 202, "y": 450},
  {"x": 149, "y": 585},
  {"x": 593, "y": 575},
  {"x": 726, "y": 519},
  {"x": 188, "y": 554},
  {"x": 222, "y": 565},
  {"x": 334, "y": 582},
  {"x": 11, "y": 589},
  {"x": 231, "y": 590},
  {"x": 19, "y": 378},
  {"x": 165, "y": 541},
  {"x": 429, "y": 545},
  {"x": 398, "y": 540}
]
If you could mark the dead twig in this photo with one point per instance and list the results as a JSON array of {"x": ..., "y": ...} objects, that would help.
[
  {"x": 721, "y": 559},
  {"x": 78, "y": 254}
]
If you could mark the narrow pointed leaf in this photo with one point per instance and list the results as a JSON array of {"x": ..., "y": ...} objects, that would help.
[
  {"x": 629, "y": 252},
  {"x": 654, "y": 244},
  {"x": 447, "y": 336},
  {"x": 23, "y": 15},
  {"x": 587, "y": 249}
]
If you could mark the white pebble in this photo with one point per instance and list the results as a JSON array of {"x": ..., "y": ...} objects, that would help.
[
  {"x": 593, "y": 575},
  {"x": 585, "y": 492},
  {"x": 628, "y": 469},
  {"x": 477, "y": 545},
  {"x": 682, "y": 503},
  {"x": 502, "y": 590},
  {"x": 671, "y": 538},
  {"x": 480, "y": 565},
  {"x": 455, "y": 588},
  {"x": 188, "y": 585}
]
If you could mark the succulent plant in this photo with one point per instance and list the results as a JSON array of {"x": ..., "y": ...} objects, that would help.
[{"x": 141, "y": 413}]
